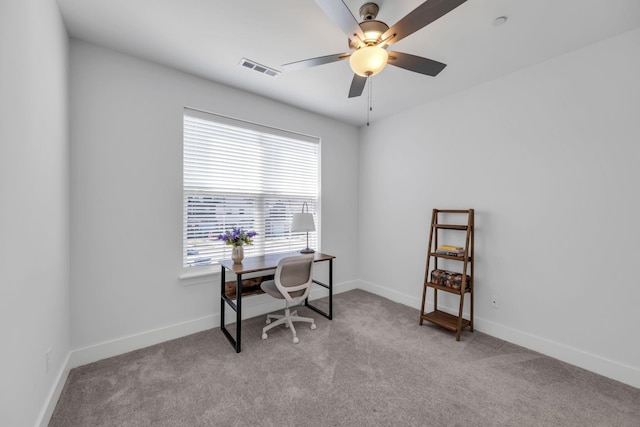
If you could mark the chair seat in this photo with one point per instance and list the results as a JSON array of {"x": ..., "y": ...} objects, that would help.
[{"x": 269, "y": 286}]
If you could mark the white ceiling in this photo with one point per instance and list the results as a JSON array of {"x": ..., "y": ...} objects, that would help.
[{"x": 209, "y": 37}]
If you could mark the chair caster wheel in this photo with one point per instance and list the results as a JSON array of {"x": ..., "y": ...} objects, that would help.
[
  {"x": 264, "y": 335},
  {"x": 268, "y": 321},
  {"x": 313, "y": 326},
  {"x": 296, "y": 340}
]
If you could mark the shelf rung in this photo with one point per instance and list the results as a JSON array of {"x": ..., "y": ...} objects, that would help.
[
  {"x": 462, "y": 211},
  {"x": 457, "y": 258},
  {"x": 445, "y": 320},
  {"x": 451, "y": 226},
  {"x": 446, "y": 289}
]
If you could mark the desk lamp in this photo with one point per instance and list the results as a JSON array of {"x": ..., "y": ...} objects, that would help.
[{"x": 303, "y": 222}]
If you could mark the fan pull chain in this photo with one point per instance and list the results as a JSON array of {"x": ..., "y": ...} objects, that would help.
[{"x": 370, "y": 106}]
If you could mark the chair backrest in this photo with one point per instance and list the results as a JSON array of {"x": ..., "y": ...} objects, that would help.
[{"x": 293, "y": 277}]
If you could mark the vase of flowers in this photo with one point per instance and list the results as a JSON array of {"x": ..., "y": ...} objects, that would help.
[
  {"x": 237, "y": 238},
  {"x": 237, "y": 254}
]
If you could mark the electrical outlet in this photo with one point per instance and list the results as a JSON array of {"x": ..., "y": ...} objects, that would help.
[
  {"x": 47, "y": 356},
  {"x": 494, "y": 301}
]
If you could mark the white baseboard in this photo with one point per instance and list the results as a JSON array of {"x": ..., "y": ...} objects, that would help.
[
  {"x": 574, "y": 356},
  {"x": 103, "y": 350},
  {"x": 54, "y": 394},
  {"x": 389, "y": 294},
  {"x": 262, "y": 304},
  {"x": 254, "y": 306},
  {"x": 404, "y": 299}
]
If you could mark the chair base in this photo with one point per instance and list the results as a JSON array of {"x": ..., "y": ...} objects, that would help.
[{"x": 287, "y": 319}]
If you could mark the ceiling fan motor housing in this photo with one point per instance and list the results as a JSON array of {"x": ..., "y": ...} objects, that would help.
[
  {"x": 373, "y": 30},
  {"x": 369, "y": 11}
]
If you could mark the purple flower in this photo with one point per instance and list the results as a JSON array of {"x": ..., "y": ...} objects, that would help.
[{"x": 237, "y": 237}]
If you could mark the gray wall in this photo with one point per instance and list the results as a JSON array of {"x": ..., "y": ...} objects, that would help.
[
  {"x": 34, "y": 215},
  {"x": 126, "y": 191},
  {"x": 548, "y": 157}
]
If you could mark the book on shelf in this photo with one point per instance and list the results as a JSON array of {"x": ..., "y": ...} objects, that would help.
[
  {"x": 450, "y": 253},
  {"x": 451, "y": 248}
]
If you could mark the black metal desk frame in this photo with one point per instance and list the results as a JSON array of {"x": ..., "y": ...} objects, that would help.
[{"x": 257, "y": 264}]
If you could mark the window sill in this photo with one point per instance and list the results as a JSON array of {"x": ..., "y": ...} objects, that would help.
[{"x": 189, "y": 274}]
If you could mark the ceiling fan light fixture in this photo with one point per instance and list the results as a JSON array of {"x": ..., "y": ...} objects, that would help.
[
  {"x": 372, "y": 36},
  {"x": 368, "y": 61}
]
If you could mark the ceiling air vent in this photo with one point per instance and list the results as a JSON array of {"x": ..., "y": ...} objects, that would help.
[{"x": 252, "y": 65}]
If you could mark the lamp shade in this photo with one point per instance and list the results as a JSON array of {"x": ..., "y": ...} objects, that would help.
[
  {"x": 368, "y": 61},
  {"x": 302, "y": 222}
]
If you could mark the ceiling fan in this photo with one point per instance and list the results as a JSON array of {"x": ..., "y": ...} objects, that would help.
[{"x": 369, "y": 40}]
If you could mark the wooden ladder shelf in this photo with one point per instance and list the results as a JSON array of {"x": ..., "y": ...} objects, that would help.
[{"x": 458, "y": 282}]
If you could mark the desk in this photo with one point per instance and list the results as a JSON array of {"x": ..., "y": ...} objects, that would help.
[{"x": 257, "y": 264}]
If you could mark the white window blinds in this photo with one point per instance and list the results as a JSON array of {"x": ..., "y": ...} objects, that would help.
[{"x": 240, "y": 174}]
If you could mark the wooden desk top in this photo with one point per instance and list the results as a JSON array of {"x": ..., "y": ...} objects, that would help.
[{"x": 266, "y": 262}]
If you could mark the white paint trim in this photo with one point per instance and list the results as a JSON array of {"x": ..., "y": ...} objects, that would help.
[
  {"x": 198, "y": 272},
  {"x": 93, "y": 353},
  {"x": 574, "y": 356},
  {"x": 405, "y": 299},
  {"x": 54, "y": 394},
  {"x": 390, "y": 294},
  {"x": 261, "y": 304},
  {"x": 253, "y": 306}
]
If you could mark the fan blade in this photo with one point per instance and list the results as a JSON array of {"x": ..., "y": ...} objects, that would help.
[
  {"x": 357, "y": 86},
  {"x": 421, "y": 16},
  {"x": 312, "y": 62},
  {"x": 415, "y": 63},
  {"x": 340, "y": 14}
]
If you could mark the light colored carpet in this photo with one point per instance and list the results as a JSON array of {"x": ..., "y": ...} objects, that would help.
[{"x": 372, "y": 365}]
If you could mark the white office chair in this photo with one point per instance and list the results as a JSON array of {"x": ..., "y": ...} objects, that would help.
[{"x": 292, "y": 282}]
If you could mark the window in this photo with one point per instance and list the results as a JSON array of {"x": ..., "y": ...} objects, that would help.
[{"x": 239, "y": 174}]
